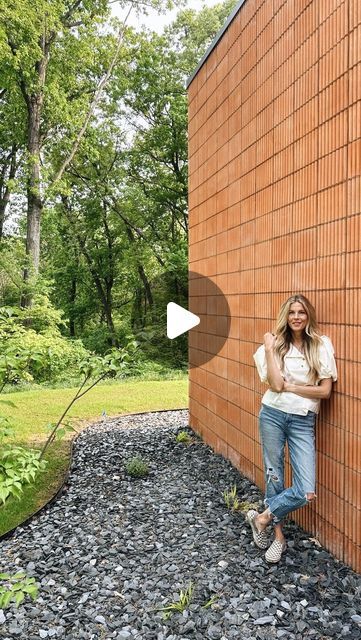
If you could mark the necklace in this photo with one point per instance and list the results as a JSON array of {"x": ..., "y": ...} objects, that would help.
[{"x": 299, "y": 346}]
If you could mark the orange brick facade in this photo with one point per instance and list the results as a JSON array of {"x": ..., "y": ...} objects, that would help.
[{"x": 275, "y": 209}]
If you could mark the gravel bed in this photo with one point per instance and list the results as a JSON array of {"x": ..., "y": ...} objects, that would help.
[{"x": 113, "y": 550}]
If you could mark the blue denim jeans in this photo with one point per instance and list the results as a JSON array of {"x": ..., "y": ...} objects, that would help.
[{"x": 276, "y": 428}]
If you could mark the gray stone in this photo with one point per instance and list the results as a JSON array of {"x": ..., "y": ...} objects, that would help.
[
  {"x": 15, "y": 630},
  {"x": 264, "y": 620},
  {"x": 84, "y": 598},
  {"x": 112, "y": 553}
]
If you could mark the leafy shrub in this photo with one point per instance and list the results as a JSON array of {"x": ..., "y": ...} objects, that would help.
[
  {"x": 41, "y": 315},
  {"x": 31, "y": 356},
  {"x": 137, "y": 468},
  {"x": 18, "y": 466}
]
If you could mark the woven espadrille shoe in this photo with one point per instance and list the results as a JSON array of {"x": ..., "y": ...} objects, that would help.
[
  {"x": 274, "y": 552},
  {"x": 259, "y": 537}
]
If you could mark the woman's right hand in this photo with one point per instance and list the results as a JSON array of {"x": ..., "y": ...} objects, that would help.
[{"x": 269, "y": 341}]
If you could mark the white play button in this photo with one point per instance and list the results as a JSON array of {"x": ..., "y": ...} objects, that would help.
[{"x": 179, "y": 320}]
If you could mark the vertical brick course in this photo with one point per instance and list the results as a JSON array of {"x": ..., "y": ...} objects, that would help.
[{"x": 274, "y": 209}]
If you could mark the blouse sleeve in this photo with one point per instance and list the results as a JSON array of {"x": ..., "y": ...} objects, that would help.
[
  {"x": 327, "y": 360},
  {"x": 261, "y": 364}
]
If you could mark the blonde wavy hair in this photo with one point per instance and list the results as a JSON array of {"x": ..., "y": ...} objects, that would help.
[{"x": 311, "y": 335}]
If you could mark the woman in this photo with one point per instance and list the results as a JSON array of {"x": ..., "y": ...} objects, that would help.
[{"x": 299, "y": 366}]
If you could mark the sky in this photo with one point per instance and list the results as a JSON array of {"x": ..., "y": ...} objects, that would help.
[{"x": 156, "y": 21}]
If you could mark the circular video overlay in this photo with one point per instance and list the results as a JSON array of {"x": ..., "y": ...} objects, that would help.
[{"x": 207, "y": 338}]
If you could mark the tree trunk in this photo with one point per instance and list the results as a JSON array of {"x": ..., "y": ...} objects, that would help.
[
  {"x": 109, "y": 311},
  {"x": 110, "y": 324},
  {"x": 33, "y": 190},
  {"x": 72, "y": 300},
  {"x": 35, "y": 204},
  {"x": 146, "y": 284},
  {"x": 104, "y": 288},
  {"x": 147, "y": 289},
  {"x": 136, "y": 314}
]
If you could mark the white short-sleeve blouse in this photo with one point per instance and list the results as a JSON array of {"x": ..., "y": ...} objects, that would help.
[{"x": 296, "y": 371}]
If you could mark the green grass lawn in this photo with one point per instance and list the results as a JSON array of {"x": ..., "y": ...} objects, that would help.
[{"x": 36, "y": 408}]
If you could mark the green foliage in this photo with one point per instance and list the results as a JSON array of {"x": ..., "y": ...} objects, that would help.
[
  {"x": 112, "y": 364},
  {"x": 181, "y": 604},
  {"x": 42, "y": 316},
  {"x": 94, "y": 368},
  {"x": 118, "y": 218},
  {"x": 231, "y": 499},
  {"x": 184, "y": 437},
  {"x": 137, "y": 467},
  {"x": 14, "y": 588},
  {"x": 233, "y": 503},
  {"x": 13, "y": 260},
  {"x": 193, "y": 31},
  {"x": 61, "y": 431},
  {"x": 246, "y": 506},
  {"x": 31, "y": 356},
  {"x": 212, "y": 600},
  {"x": 18, "y": 465}
]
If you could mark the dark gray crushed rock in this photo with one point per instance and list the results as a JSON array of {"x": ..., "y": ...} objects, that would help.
[{"x": 112, "y": 550}]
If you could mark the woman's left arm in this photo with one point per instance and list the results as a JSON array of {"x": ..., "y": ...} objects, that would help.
[{"x": 314, "y": 392}]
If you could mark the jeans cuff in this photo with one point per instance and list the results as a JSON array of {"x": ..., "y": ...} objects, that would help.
[{"x": 275, "y": 519}]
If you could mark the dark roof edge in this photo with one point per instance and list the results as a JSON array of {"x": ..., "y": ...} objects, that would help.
[{"x": 215, "y": 41}]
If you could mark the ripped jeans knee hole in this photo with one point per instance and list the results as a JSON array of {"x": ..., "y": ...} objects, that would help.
[
  {"x": 310, "y": 496},
  {"x": 271, "y": 475}
]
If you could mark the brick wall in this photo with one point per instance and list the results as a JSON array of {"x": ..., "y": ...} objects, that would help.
[{"x": 275, "y": 209}]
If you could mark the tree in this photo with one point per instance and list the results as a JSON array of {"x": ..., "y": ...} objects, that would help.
[
  {"x": 115, "y": 191},
  {"x": 40, "y": 41},
  {"x": 126, "y": 208},
  {"x": 34, "y": 37}
]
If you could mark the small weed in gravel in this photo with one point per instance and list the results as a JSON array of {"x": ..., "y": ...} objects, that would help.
[
  {"x": 185, "y": 598},
  {"x": 137, "y": 467},
  {"x": 231, "y": 498},
  {"x": 184, "y": 437}
]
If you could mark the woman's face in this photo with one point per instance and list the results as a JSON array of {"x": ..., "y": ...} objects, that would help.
[{"x": 297, "y": 317}]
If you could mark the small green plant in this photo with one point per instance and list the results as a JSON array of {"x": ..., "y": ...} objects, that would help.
[
  {"x": 14, "y": 588},
  {"x": 210, "y": 602},
  {"x": 183, "y": 436},
  {"x": 18, "y": 466},
  {"x": 185, "y": 598},
  {"x": 231, "y": 498},
  {"x": 137, "y": 467},
  {"x": 246, "y": 506},
  {"x": 93, "y": 368}
]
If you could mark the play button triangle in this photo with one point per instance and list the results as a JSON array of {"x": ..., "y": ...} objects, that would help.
[{"x": 179, "y": 320}]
